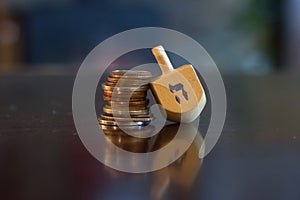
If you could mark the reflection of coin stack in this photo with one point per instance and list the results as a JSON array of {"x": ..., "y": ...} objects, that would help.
[{"x": 127, "y": 105}]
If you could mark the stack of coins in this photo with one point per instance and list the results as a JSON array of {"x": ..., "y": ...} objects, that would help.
[{"x": 127, "y": 104}]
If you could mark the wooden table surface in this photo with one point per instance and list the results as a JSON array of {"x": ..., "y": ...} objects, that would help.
[{"x": 257, "y": 156}]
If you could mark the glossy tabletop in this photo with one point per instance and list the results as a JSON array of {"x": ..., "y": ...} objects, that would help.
[{"x": 256, "y": 157}]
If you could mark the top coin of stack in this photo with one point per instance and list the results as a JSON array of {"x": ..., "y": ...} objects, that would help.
[{"x": 127, "y": 105}]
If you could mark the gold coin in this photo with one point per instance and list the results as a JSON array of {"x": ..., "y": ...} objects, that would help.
[
  {"x": 135, "y": 130},
  {"x": 128, "y": 81},
  {"x": 116, "y": 129},
  {"x": 125, "y": 93},
  {"x": 112, "y": 79},
  {"x": 112, "y": 130},
  {"x": 133, "y": 108},
  {"x": 117, "y": 98},
  {"x": 124, "y": 89},
  {"x": 125, "y": 112},
  {"x": 120, "y": 99},
  {"x": 124, "y": 108}
]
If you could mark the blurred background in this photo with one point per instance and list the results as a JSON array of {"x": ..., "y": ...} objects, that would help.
[{"x": 54, "y": 36}]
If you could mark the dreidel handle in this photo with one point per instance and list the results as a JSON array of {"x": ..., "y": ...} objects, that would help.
[{"x": 162, "y": 59}]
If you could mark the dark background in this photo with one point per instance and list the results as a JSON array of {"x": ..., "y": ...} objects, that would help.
[{"x": 54, "y": 36}]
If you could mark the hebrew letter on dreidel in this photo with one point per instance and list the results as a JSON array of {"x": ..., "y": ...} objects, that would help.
[{"x": 177, "y": 87}]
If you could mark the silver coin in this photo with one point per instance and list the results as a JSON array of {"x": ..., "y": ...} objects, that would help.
[
  {"x": 130, "y": 103},
  {"x": 130, "y": 74},
  {"x": 122, "y": 123},
  {"x": 120, "y": 119},
  {"x": 135, "y": 130},
  {"x": 125, "y": 112}
]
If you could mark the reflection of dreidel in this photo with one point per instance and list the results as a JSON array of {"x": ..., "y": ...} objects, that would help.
[
  {"x": 179, "y": 91},
  {"x": 184, "y": 170}
]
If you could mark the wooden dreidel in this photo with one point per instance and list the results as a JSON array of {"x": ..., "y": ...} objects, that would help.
[{"x": 179, "y": 91}]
